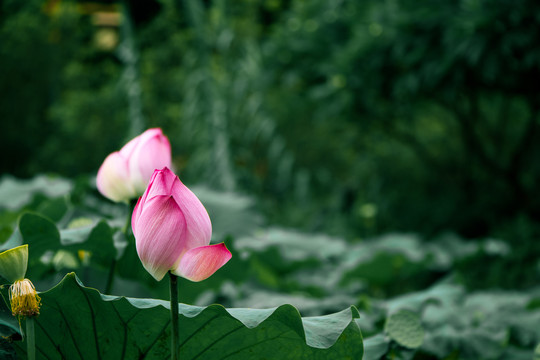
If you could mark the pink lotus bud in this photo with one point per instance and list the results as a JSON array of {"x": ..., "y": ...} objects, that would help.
[
  {"x": 172, "y": 231},
  {"x": 125, "y": 174}
]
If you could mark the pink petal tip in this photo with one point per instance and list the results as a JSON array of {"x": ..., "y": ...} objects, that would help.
[{"x": 200, "y": 263}]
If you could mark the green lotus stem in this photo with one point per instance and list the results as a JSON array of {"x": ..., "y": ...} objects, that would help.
[
  {"x": 110, "y": 277},
  {"x": 30, "y": 338},
  {"x": 127, "y": 226},
  {"x": 125, "y": 230},
  {"x": 174, "y": 316}
]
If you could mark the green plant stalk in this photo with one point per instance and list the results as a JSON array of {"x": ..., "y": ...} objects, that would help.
[
  {"x": 110, "y": 277},
  {"x": 174, "y": 316},
  {"x": 30, "y": 338},
  {"x": 125, "y": 230}
]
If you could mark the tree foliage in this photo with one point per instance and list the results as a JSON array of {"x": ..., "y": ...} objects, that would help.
[{"x": 354, "y": 117}]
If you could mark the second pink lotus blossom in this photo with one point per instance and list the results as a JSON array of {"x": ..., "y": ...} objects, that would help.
[{"x": 124, "y": 174}]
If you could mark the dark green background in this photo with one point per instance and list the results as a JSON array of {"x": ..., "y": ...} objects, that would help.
[
  {"x": 381, "y": 154},
  {"x": 353, "y": 118}
]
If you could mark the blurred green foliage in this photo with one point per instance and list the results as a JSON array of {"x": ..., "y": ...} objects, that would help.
[
  {"x": 354, "y": 118},
  {"x": 376, "y": 129},
  {"x": 448, "y": 298}
]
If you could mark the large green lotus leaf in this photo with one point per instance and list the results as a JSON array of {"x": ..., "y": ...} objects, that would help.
[
  {"x": 8, "y": 323},
  {"x": 80, "y": 323}
]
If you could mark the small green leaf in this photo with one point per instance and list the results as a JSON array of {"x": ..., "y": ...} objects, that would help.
[
  {"x": 80, "y": 223},
  {"x": 39, "y": 233},
  {"x": 13, "y": 263},
  {"x": 405, "y": 328},
  {"x": 54, "y": 209},
  {"x": 537, "y": 352},
  {"x": 97, "y": 240},
  {"x": 64, "y": 260},
  {"x": 43, "y": 236}
]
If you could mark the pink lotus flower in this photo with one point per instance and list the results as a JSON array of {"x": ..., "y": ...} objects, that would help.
[
  {"x": 125, "y": 174},
  {"x": 172, "y": 231}
]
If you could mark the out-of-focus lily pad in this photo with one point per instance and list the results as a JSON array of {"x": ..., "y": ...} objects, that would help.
[{"x": 405, "y": 328}]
